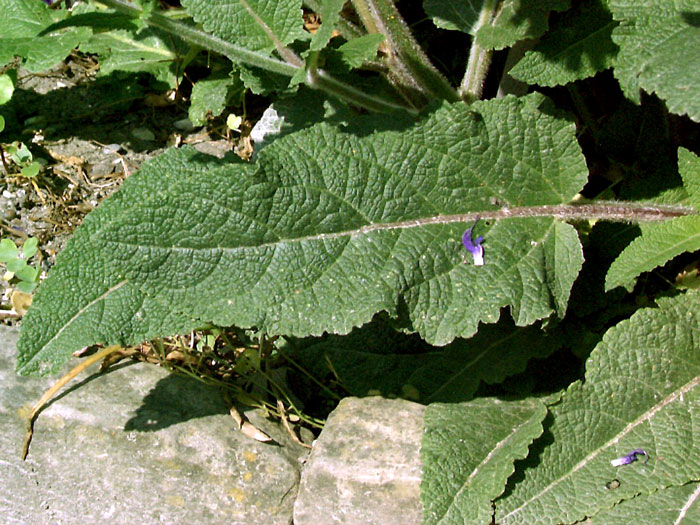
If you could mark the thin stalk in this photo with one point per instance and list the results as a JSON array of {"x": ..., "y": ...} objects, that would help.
[
  {"x": 584, "y": 210},
  {"x": 410, "y": 69},
  {"x": 38, "y": 407},
  {"x": 472, "y": 85},
  {"x": 317, "y": 80}
]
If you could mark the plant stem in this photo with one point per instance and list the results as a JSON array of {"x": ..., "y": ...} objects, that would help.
[
  {"x": 409, "y": 68},
  {"x": 316, "y": 80},
  {"x": 472, "y": 84}
]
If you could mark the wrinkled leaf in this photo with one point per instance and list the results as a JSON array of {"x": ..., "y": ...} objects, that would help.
[
  {"x": 355, "y": 52},
  {"x": 467, "y": 453},
  {"x": 21, "y": 25},
  {"x": 577, "y": 47},
  {"x": 677, "y": 505},
  {"x": 689, "y": 168},
  {"x": 641, "y": 390},
  {"x": 249, "y": 24},
  {"x": 517, "y": 20},
  {"x": 376, "y": 357},
  {"x": 659, "y": 243},
  {"x": 148, "y": 50},
  {"x": 330, "y": 14},
  {"x": 455, "y": 16},
  {"x": 210, "y": 96},
  {"x": 659, "y": 51},
  {"x": 328, "y": 228}
]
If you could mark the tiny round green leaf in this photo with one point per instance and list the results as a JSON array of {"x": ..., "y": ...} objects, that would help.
[
  {"x": 26, "y": 287},
  {"x": 2, "y": 123},
  {"x": 28, "y": 274},
  {"x": 16, "y": 265},
  {"x": 29, "y": 247},
  {"x": 32, "y": 170},
  {"x": 6, "y": 89},
  {"x": 8, "y": 250},
  {"x": 20, "y": 153}
]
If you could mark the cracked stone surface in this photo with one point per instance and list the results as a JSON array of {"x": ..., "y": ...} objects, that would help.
[{"x": 137, "y": 445}]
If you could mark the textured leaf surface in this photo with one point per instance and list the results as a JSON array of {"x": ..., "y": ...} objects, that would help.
[
  {"x": 676, "y": 505},
  {"x": 659, "y": 51},
  {"x": 211, "y": 95},
  {"x": 249, "y": 23},
  {"x": 658, "y": 244},
  {"x": 377, "y": 358},
  {"x": 467, "y": 453},
  {"x": 516, "y": 20},
  {"x": 642, "y": 390},
  {"x": 329, "y": 228},
  {"x": 456, "y": 16},
  {"x": 577, "y": 47},
  {"x": 22, "y": 21},
  {"x": 330, "y": 14},
  {"x": 689, "y": 168},
  {"x": 148, "y": 50},
  {"x": 357, "y": 50}
]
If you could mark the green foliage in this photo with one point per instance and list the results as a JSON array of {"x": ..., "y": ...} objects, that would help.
[
  {"x": 358, "y": 50},
  {"x": 7, "y": 87},
  {"x": 659, "y": 243},
  {"x": 254, "y": 24},
  {"x": 577, "y": 47},
  {"x": 659, "y": 44},
  {"x": 377, "y": 358},
  {"x": 22, "y": 32},
  {"x": 477, "y": 443},
  {"x": 641, "y": 390},
  {"x": 24, "y": 276},
  {"x": 344, "y": 235},
  {"x": 349, "y": 251},
  {"x": 516, "y": 20},
  {"x": 211, "y": 95}
]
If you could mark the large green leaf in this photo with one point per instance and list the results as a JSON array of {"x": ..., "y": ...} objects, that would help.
[
  {"x": 253, "y": 24},
  {"x": 468, "y": 451},
  {"x": 517, "y": 20},
  {"x": 328, "y": 228},
  {"x": 456, "y": 16},
  {"x": 514, "y": 19},
  {"x": 676, "y": 505},
  {"x": 659, "y": 51},
  {"x": 642, "y": 390},
  {"x": 377, "y": 358},
  {"x": 659, "y": 243},
  {"x": 148, "y": 50},
  {"x": 577, "y": 47},
  {"x": 21, "y": 25},
  {"x": 689, "y": 168}
]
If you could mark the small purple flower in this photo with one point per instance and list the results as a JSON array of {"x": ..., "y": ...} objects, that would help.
[
  {"x": 630, "y": 458},
  {"x": 474, "y": 246}
]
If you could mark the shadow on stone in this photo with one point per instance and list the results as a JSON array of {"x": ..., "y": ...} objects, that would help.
[{"x": 173, "y": 400}]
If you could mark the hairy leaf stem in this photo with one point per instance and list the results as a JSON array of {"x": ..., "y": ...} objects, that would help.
[
  {"x": 479, "y": 61},
  {"x": 410, "y": 69}
]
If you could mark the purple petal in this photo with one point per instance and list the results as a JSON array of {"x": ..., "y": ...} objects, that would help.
[
  {"x": 630, "y": 458},
  {"x": 474, "y": 246}
]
